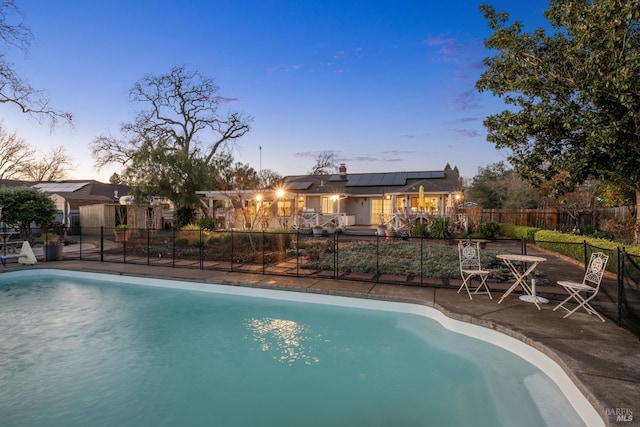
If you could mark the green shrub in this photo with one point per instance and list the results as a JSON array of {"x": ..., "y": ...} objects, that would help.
[
  {"x": 440, "y": 229},
  {"x": 488, "y": 230},
  {"x": 572, "y": 246},
  {"x": 206, "y": 222},
  {"x": 420, "y": 230},
  {"x": 183, "y": 216},
  {"x": 588, "y": 230},
  {"x": 517, "y": 231},
  {"x": 191, "y": 232}
]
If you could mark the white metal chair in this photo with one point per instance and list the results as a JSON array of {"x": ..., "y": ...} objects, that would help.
[
  {"x": 585, "y": 291},
  {"x": 470, "y": 267}
]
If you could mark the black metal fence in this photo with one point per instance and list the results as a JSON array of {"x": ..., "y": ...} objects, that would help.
[
  {"x": 361, "y": 257},
  {"x": 628, "y": 296}
]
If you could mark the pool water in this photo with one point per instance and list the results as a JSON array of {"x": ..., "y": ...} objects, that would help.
[{"x": 78, "y": 352}]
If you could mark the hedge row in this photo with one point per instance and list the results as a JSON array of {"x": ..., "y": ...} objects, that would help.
[
  {"x": 518, "y": 231},
  {"x": 570, "y": 245}
]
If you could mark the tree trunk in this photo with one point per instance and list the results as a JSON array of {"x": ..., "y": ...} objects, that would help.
[{"x": 636, "y": 231}]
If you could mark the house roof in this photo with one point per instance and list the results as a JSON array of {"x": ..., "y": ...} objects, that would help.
[
  {"x": 76, "y": 192},
  {"x": 11, "y": 183},
  {"x": 365, "y": 184}
]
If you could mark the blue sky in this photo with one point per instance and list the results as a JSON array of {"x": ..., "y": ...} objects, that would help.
[{"x": 387, "y": 86}]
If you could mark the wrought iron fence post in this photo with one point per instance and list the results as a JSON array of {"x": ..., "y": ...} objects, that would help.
[
  {"x": 148, "y": 246},
  {"x": 231, "y": 250},
  {"x": 377, "y": 258},
  {"x": 298, "y": 252},
  {"x": 102, "y": 243},
  {"x": 584, "y": 254},
  {"x": 421, "y": 257},
  {"x": 173, "y": 247},
  {"x": 201, "y": 249},
  {"x": 263, "y": 254},
  {"x": 620, "y": 283},
  {"x": 335, "y": 254}
]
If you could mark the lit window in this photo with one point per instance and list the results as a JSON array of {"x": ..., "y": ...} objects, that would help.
[{"x": 284, "y": 208}]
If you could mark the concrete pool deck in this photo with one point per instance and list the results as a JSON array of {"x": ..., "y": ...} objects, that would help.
[{"x": 601, "y": 358}]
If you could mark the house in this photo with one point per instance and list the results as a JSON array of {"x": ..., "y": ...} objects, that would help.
[{"x": 363, "y": 199}]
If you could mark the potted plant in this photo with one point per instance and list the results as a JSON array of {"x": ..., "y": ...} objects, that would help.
[
  {"x": 381, "y": 229},
  {"x": 331, "y": 227},
  {"x": 52, "y": 246},
  {"x": 390, "y": 232},
  {"x": 317, "y": 230},
  {"x": 121, "y": 233}
]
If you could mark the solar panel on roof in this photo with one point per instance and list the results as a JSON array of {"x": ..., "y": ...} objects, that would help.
[
  {"x": 425, "y": 174},
  {"x": 355, "y": 180},
  {"x": 60, "y": 187},
  {"x": 298, "y": 185},
  {"x": 390, "y": 179}
]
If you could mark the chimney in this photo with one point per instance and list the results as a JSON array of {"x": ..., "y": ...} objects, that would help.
[{"x": 342, "y": 170}]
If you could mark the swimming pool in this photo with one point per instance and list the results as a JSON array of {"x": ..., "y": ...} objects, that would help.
[{"x": 92, "y": 349}]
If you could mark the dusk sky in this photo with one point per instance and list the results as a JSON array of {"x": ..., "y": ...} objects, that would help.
[{"x": 387, "y": 86}]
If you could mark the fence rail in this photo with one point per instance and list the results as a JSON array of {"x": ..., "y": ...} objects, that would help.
[
  {"x": 361, "y": 257},
  {"x": 554, "y": 219}
]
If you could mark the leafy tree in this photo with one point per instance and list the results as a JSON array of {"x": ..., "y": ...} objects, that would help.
[
  {"x": 574, "y": 93},
  {"x": 115, "y": 178},
  {"x": 611, "y": 195},
  {"x": 156, "y": 170},
  {"x": 14, "y": 90},
  {"x": 180, "y": 126},
  {"x": 236, "y": 176},
  {"x": 496, "y": 186},
  {"x": 23, "y": 206}
]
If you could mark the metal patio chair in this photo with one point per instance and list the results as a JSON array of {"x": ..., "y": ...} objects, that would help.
[
  {"x": 470, "y": 267},
  {"x": 585, "y": 291}
]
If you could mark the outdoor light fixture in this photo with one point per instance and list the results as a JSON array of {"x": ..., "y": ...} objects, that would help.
[
  {"x": 335, "y": 197},
  {"x": 259, "y": 197},
  {"x": 280, "y": 193}
]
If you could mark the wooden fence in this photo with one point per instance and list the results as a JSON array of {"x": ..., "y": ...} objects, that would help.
[{"x": 554, "y": 219}]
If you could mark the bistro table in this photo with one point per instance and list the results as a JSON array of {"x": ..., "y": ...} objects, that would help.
[{"x": 521, "y": 277}]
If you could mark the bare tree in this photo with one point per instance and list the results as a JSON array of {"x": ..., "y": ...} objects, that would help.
[
  {"x": 15, "y": 153},
  {"x": 13, "y": 89},
  {"x": 182, "y": 110},
  {"x": 325, "y": 163},
  {"x": 51, "y": 167},
  {"x": 269, "y": 179},
  {"x": 18, "y": 160}
]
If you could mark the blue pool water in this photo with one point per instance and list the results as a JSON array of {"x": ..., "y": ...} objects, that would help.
[{"x": 77, "y": 352}]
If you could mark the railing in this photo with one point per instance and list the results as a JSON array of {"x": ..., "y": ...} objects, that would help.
[
  {"x": 305, "y": 221},
  {"x": 405, "y": 261},
  {"x": 405, "y": 221}
]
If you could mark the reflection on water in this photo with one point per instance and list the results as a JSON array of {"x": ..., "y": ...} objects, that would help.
[{"x": 285, "y": 338}]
